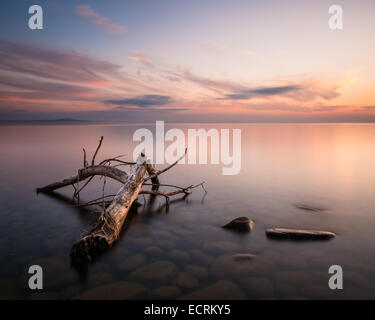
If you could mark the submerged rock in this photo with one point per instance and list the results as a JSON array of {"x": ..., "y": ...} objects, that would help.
[
  {"x": 142, "y": 242},
  {"x": 132, "y": 262},
  {"x": 240, "y": 224},
  {"x": 100, "y": 278},
  {"x": 155, "y": 273},
  {"x": 115, "y": 291},
  {"x": 293, "y": 278},
  {"x": 308, "y": 207},
  {"x": 258, "y": 287},
  {"x": 197, "y": 271},
  {"x": 299, "y": 234},
  {"x": 153, "y": 251},
  {"x": 166, "y": 244},
  {"x": 201, "y": 257},
  {"x": 164, "y": 235},
  {"x": 179, "y": 256},
  {"x": 186, "y": 281},
  {"x": 243, "y": 256},
  {"x": 221, "y": 290},
  {"x": 227, "y": 266},
  {"x": 221, "y": 246},
  {"x": 43, "y": 296},
  {"x": 166, "y": 292}
]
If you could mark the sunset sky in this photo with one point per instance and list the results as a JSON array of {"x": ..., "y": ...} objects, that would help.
[{"x": 188, "y": 61}]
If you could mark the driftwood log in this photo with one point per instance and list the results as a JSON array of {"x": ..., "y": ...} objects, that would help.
[{"x": 115, "y": 211}]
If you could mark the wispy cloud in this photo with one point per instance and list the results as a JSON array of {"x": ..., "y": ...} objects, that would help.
[
  {"x": 259, "y": 92},
  {"x": 99, "y": 20},
  {"x": 45, "y": 77},
  {"x": 149, "y": 100},
  {"x": 51, "y": 63},
  {"x": 302, "y": 91},
  {"x": 217, "y": 85},
  {"x": 141, "y": 58}
]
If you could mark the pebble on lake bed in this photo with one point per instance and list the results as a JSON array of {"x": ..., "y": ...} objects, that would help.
[
  {"x": 240, "y": 224},
  {"x": 308, "y": 207},
  {"x": 156, "y": 273},
  {"x": 299, "y": 234},
  {"x": 221, "y": 290},
  {"x": 121, "y": 290},
  {"x": 243, "y": 256}
]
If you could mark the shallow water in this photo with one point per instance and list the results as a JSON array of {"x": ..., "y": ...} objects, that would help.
[{"x": 184, "y": 253}]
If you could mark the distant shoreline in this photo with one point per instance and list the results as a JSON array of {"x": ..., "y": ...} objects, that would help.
[
  {"x": 52, "y": 120},
  {"x": 94, "y": 122}
]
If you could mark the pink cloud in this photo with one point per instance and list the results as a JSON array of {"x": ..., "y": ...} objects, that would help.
[
  {"x": 85, "y": 11},
  {"x": 142, "y": 59}
]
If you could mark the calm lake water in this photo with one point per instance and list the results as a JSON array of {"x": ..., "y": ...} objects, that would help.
[{"x": 184, "y": 253}]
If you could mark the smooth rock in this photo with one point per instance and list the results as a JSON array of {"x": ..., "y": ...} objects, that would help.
[
  {"x": 258, "y": 287},
  {"x": 220, "y": 246},
  {"x": 164, "y": 235},
  {"x": 186, "y": 281},
  {"x": 115, "y": 291},
  {"x": 240, "y": 224},
  {"x": 155, "y": 273},
  {"x": 179, "y": 256},
  {"x": 201, "y": 257},
  {"x": 43, "y": 296},
  {"x": 197, "y": 271},
  {"x": 243, "y": 256},
  {"x": 294, "y": 278},
  {"x": 153, "y": 251},
  {"x": 100, "y": 278},
  {"x": 221, "y": 290},
  {"x": 142, "y": 242},
  {"x": 166, "y": 244},
  {"x": 70, "y": 292},
  {"x": 132, "y": 262},
  {"x": 10, "y": 290},
  {"x": 166, "y": 292},
  {"x": 226, "y": 266},
  {"x": 293, "y": 262},
  {"x": 308, "y": 207},
  {"x": 285, "y": 290},
  {"x": 299, "y": 234},
  {"x": 182, "y": 232}
]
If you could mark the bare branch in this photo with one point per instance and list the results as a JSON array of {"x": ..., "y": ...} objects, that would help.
[
  {"x": 157, "y": 193},
  {"x": 101, "y": 198},
  {"x": 167, "y": 195},
  {"x": 115, "y": 159},
  {"x": 96, "y": 151},
  {"x": 85, "y": 163},
  {"x": 167, "y": 168},
  {"x": 153, "y": 176},
  {"x": 108, "y": 171},
  {"x": 103, "y": 204}
]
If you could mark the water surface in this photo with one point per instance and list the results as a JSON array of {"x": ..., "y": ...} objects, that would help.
[{"x": 184, "y": 252}]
